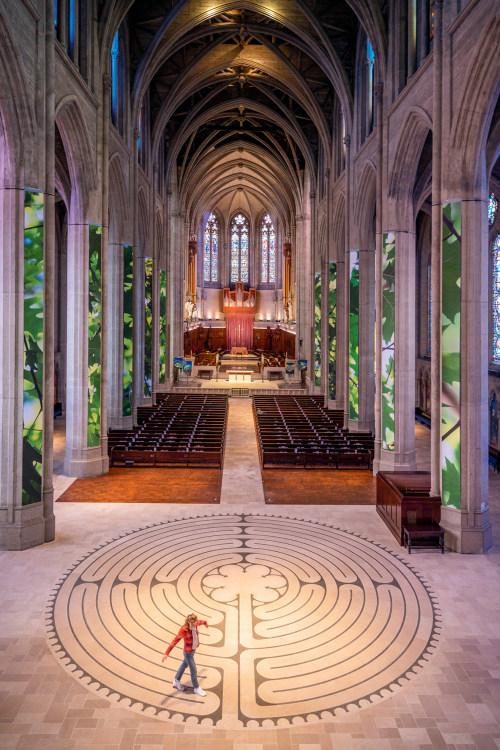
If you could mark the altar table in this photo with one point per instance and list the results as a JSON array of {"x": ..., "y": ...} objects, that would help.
[
  {"x": 239, "y": 350},
  {"x": 245, "y": 375}
]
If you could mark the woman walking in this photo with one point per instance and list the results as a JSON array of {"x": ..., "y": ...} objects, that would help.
[{"x": 189, "y": 632}]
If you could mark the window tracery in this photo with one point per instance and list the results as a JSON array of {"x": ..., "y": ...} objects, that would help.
[
  {"x": 211, "y": 250},
  {"x": 492, "y": 209},
  {"x": 267, "y": 251},
  {"x": 239, "y": 248}
]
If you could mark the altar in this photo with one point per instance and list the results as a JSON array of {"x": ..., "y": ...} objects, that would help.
[
  {"x": 239, "y": 350},
  {"x": 241, "y": 375}
]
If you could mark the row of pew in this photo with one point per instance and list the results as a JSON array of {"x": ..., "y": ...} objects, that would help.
[
  {"x": 298, "y": 431},
  {"x": 182, "y": 429}
]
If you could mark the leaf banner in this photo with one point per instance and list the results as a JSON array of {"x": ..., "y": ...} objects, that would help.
[
  {"x": 388, "y": 328},
  {"x": 332, "y": 331},
  {"x": 33, "y": 348},
  {"x": 354, "y": 334},
  {"x": 163, "y": 327},
  {"x": 148, "y": 325},
  {"x": 94, "y": 338},
  {"x": 128, "y": 349},
  {"x": 450, "y": 346},
  {"x": 317, "y": 329}
]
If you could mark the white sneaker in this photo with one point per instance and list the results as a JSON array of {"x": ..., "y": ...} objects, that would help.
[
  {"x": 177, "y": 685},
  {"x": 199, "y": 691}
]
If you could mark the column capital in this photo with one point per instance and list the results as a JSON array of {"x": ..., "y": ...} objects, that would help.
[
  {"x": 438, "y": 4},
  {"x": 137, "y": 134},
  {"x": 347, "y": 141},
  {"x": 378, "y": 89}
]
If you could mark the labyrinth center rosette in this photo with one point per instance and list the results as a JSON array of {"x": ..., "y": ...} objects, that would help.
[{"x": 305, "y": 620}]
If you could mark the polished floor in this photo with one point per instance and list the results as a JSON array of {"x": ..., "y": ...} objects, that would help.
[{"x": 293, "y": 595}]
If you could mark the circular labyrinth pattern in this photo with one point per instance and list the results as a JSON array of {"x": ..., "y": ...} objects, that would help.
[{"x": 305, "y": 621}]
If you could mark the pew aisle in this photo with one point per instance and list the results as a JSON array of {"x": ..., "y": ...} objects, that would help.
[{"x": 241, "y": 477}]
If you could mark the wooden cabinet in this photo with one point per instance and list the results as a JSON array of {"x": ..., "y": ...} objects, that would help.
[{"x": 403, "y": 499}]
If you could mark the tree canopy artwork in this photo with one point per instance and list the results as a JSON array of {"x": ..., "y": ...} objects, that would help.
[
  {"x": 317, "y": 329},
  {"x": 163, "y": 327},
  {"x": 33, "y": 348},
  {"x": 353, "y": 334},
  {"x": 450, "y": 363},
  {"x": 388, "y": 324},
  {"x": 332, "y": 331},
  {"x": 94, "y": 335},
  {"x": 148, "y": 325},
  {"x": 128, "y": 349}
]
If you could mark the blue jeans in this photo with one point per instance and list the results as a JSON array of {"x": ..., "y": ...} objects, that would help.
[{"x": 188, "y": 662}]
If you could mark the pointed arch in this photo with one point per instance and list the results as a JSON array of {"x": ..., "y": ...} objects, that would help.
[
  {"x": 17, "y": 118},
  {"x": 406, "y": 157},
  {"x": 79, "y": 153},
  {"x": 365, "y": 203},
  {"x": 142, "y": 220},
  {"x": 118, "y": 197},
  {"x": 239, "y": 235}
]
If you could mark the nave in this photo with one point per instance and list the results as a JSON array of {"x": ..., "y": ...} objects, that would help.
[{"x": 436, "y": 686}]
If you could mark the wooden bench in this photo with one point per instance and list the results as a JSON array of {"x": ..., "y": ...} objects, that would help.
[{"x": 427, "y": 536}]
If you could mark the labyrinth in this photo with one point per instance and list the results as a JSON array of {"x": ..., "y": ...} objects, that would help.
[{"x": 305, "y": 621}]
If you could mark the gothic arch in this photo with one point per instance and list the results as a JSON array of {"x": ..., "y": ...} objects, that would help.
[
  {"x": 365, "y": 204},
  {"x": 118, "y": 198},
  {"x": 470, "y": 127},
  {"x": 142, "y": 221},
  {"x": 79, "y": 154},
  {"x": 406, "y": 157},
  {"x": 17, "y": 119}
]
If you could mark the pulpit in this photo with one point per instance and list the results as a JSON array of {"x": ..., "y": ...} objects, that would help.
[{"x": 239, "y": 308}]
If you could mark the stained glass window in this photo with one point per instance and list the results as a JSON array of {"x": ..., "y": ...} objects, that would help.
[
  {"x": 239, "y": 248},
  {"x": 496, "y": 301},
  {"x": 267, "y": 251},
  {"x": 211, "y": 250},
  {"x": 492, "y": 209}
]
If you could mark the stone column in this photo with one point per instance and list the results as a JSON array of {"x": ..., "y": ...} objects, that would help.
[
  {"x": 436, "y": 250},
  {"x": 366, "y": 364},
  {"x": 79, "y": 461},
  {"x": 379, "y": 103},
  {"x": 106, "y": 110},
  {"x": 346, "y": 295},
  {"x": 304, "y": 293},
  {"x": 468, "y": 529},
  {"x": 20, "y": 526},
  {"x": 49, "y": 253},
  {"x": 115, "y": 334},
  {"x": 138, "y": 290}
]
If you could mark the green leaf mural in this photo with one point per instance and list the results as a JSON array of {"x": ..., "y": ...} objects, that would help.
[
  {"x": 317, "y": 329},
  {"x": 128, "y": 350},
  {"x": 33, "y": 348},
  {"x": 148, "y": 324},
  {"x": 450, "y": 379},
  {"x": 94, "y": 334},
  {"x": 353, "y": 334},
  {"x": 332, "y": 331},
  {"x": 163, "y": 327},
  {"x": 388, "y": 324}
]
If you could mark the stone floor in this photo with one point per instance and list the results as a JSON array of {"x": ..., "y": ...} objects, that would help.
[{"x": 106, "y": 579}]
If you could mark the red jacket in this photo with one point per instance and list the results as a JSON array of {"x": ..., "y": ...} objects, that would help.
[{"x": 187, "y": 634}]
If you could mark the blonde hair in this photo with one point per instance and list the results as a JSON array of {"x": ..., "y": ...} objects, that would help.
[{"x": 188, "y": 617}]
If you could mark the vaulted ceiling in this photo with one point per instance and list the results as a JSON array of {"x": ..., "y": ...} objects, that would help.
[{"x": 251, "y": 86}]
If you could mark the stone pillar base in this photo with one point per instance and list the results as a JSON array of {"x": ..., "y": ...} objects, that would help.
[
  {"x": 463, "y": 538},
  {"x": 27, "y": 529},
  {"x": 391, "y": 461},
  {"x": 356, "y": 425},
  {"x": 88, "y": 463}
]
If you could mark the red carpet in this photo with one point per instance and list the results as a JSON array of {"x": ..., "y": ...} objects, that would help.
[{"x": 147, "y": 485}]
